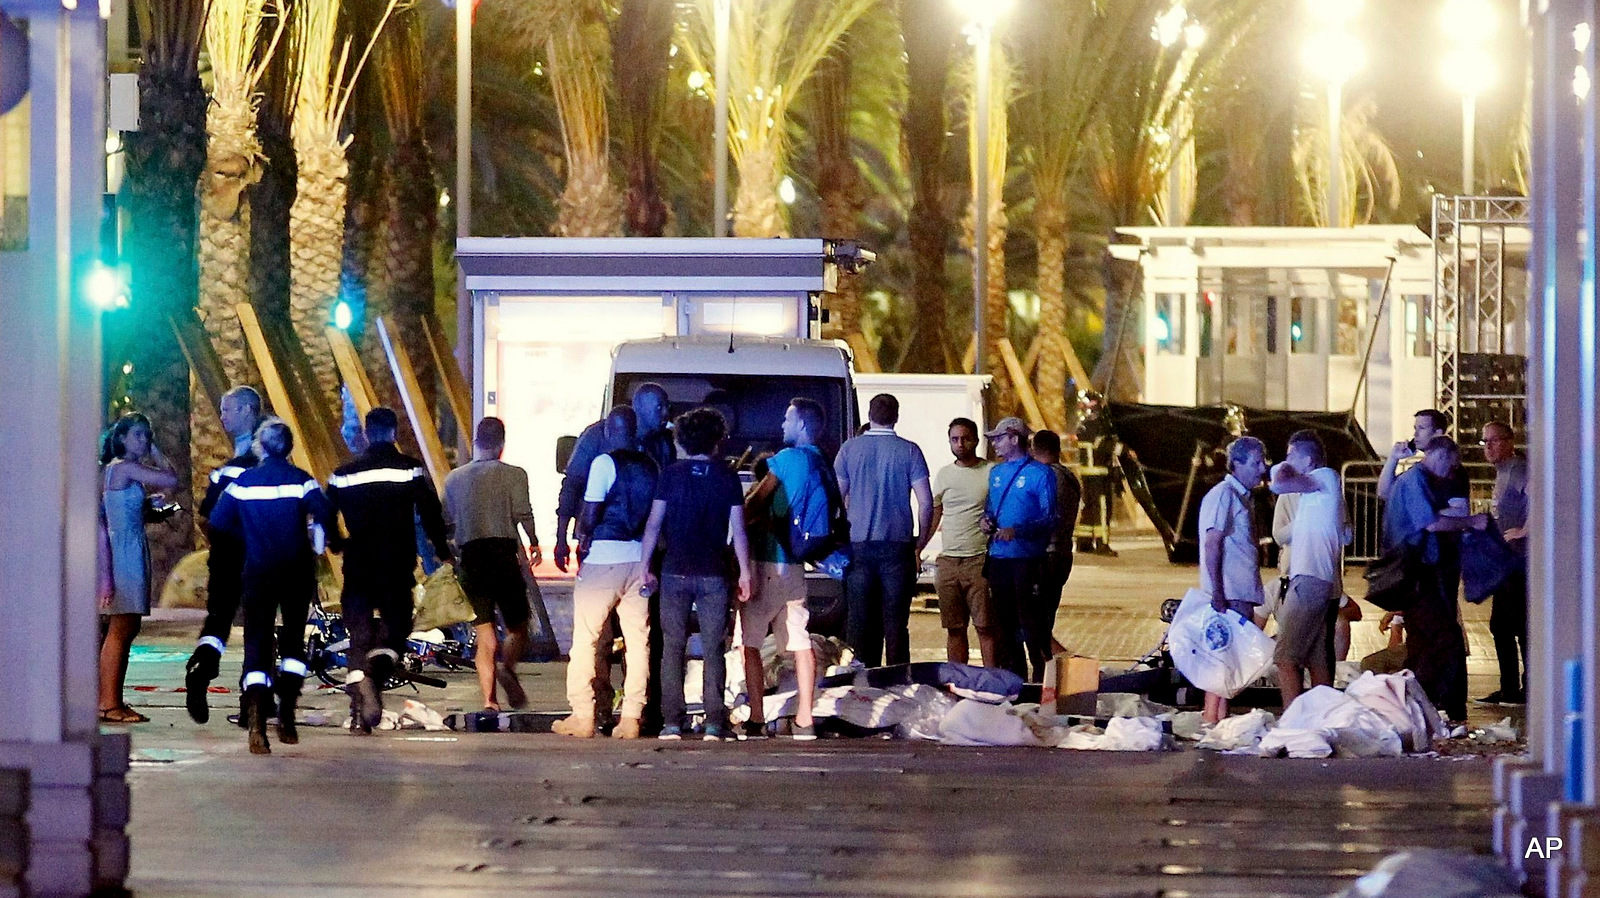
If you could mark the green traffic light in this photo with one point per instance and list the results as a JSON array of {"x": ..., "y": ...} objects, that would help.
[
  {"x": 342, "y": 316},
  {"x": 105, "y": 287}
]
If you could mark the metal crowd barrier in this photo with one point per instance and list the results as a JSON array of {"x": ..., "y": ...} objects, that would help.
[{"x": 1365, "y": 509}]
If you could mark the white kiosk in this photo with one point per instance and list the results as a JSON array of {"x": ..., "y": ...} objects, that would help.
[{"x": 1280, "y": 318}]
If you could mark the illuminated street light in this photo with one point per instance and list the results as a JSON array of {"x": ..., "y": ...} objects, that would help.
[
  {"x": 981, "y": 15},
  {"x": 1333, "y": 55},
  {"x": 1469, "y": 70}
]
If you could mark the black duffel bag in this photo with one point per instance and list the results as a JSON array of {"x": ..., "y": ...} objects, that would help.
[{"x": 1392, "y": 580}]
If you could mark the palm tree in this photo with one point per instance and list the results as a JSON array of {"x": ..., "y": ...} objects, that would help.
[
  {"x": 1369, "y": 174},
  {"x": 1060, "y": 53},
  {"x": 233, "y": 166},
  {"x": 164, "y": 160},
  {"x": 1148, "y": 121},
  {"x": 775, "y": 46},
  {"x": 929, "y": 31},
  {"x": 317, "y": 216},
  {"x": 577, "y": 48},
  {"x": 839, "y": 184},
  {"x": 412, "y": 209},
  {"x": 996, "y": 133},
  {"x": 641, "y": 42},
  {"x": 272, "y": 195}
]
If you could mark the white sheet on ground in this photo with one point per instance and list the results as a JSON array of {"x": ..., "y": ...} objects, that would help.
[
  {"x": 979, "y": 723},
  {"x": 1237, "y": 732},
  {"x": 1352, "y": 729},
  {"x": 1121, "y": 734},
  {"x": 1399, "y": 699}
]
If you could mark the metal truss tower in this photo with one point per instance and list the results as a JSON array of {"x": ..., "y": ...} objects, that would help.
[{"x": 1479, "y": 297}]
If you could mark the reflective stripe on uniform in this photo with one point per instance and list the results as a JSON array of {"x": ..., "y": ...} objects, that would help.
[
  {"x": 213, "y": 642},
  {"x": 293, "y": 666},
  {"x": 263, "y": 493},
  {"x": 231, "y": 472},
  {"x": 376, "y": 475},
  {"x": 257, "y": 678}
]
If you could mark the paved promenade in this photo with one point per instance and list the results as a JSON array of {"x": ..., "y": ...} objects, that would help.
[{"x": 419, "y": 813}]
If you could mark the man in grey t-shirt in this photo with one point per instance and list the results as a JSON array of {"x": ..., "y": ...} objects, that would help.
[
  {"x": 878, "y": 471},
  {"x": 1508, "y": 617}
]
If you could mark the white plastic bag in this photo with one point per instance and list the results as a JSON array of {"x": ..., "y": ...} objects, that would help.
[{"x": 1220, "y": 653}]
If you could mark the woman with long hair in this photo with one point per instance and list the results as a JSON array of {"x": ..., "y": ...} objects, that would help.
[{"x": 131, "y": 466}]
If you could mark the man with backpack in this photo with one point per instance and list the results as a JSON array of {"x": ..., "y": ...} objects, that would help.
[
  {"x": 616, "y": 503},
  {"x": 800, "y": 503}
]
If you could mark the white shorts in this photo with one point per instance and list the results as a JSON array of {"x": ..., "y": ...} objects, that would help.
[{"x": 779, "y": 605}]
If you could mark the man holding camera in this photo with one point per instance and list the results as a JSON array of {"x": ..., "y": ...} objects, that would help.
[{"x": 1019, "y": 518}]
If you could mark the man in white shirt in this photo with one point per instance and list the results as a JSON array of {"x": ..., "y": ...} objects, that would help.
[
  {"x": 616, "y": 506},
  {"x": 1230, "y": 560},
  {"x": 1316, "y": 578}
]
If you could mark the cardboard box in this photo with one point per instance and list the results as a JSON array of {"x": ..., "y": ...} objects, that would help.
[{"x": 1073, "y": 682}]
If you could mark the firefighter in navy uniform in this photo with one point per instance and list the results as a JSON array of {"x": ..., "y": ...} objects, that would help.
[
  {"x": 274, "y": 509},
  {"x": 240, "y": 411},
  {"x": 381, "y": 493}
]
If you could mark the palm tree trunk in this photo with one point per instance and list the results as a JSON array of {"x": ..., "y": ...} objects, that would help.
[
  {"x": 1050, "y": 232},
  {"x": 232, "y": 167},
  {"x": 316, "y": 231},
  {"x": 164, "y": 159},
  {"x": 590, "y": 205},
  {"x": 641, "y": 43},
  {"x": 929, "y": 32},
  {"x": 408, "y": 257},
  {"x": 838, "y": 180},
  {"x": 271, "y": 197},
  {"x": 756, "y": 210}
]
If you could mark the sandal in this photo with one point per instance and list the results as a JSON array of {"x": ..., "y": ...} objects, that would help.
[
  {"x": 120, "y": 715},
  {"x": 137, "y": 717}
]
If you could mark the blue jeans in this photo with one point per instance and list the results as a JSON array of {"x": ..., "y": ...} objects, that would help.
[
  {"x": 878, "y": 585},
  {"x": 709, "y": 598}
]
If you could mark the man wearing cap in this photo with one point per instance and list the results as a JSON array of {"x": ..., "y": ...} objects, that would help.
[
  {"x": 877, "y": 472},
  {"x": 1019, "y": 518}
]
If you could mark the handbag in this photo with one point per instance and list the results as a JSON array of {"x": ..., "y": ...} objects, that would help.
[
  {"x": 1391, "y": 580},
  {"x": 440, "y": 601},
  {"x": 1487, "y": 561}
]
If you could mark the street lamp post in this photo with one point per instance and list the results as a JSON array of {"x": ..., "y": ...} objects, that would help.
[
  {"x": 1469, "y": 69},
  {"x": 1333, "y": 55},
  {"x": 981, "y": 16},
  {"x": 463, "y": 191},
  {"x": 723, "y": 16}
]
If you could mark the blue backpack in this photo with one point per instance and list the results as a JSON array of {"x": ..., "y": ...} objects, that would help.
[{"x": 817, "y": 522}]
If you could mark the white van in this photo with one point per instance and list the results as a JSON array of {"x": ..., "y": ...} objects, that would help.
[{"x": 751, "y": 381}]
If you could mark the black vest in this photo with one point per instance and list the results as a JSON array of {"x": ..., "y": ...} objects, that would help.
[{"x": 627, "y": 503}]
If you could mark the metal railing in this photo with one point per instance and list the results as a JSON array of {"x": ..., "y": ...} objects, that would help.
[{"x": 1365, "y": 509}]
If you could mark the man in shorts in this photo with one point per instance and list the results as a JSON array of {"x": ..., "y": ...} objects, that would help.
[
  {"x": 485, "y": 501},
  {"x": 1316, "y": 581},
  {"x": 794, "y": 483},
  {"x": 959, "y": 493}
]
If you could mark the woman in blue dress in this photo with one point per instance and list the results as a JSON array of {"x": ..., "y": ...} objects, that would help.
[{"x": 132, "y": 467}]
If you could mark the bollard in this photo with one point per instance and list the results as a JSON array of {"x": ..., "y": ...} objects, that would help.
[{"x": 1574, "y": 724}]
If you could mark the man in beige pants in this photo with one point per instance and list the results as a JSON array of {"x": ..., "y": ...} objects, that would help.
[{"x": 616, "y": 505}]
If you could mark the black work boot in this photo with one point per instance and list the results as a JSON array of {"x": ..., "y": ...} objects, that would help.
[
  {"x": 257, "y": 705},
  {"x": 288, "y": 688},
  {"x": 369, "y": 690},
  {"x": 201, "y": 670}
]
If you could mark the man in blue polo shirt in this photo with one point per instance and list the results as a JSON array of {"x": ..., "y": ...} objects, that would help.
[{"x": 1020, "y": 518}]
